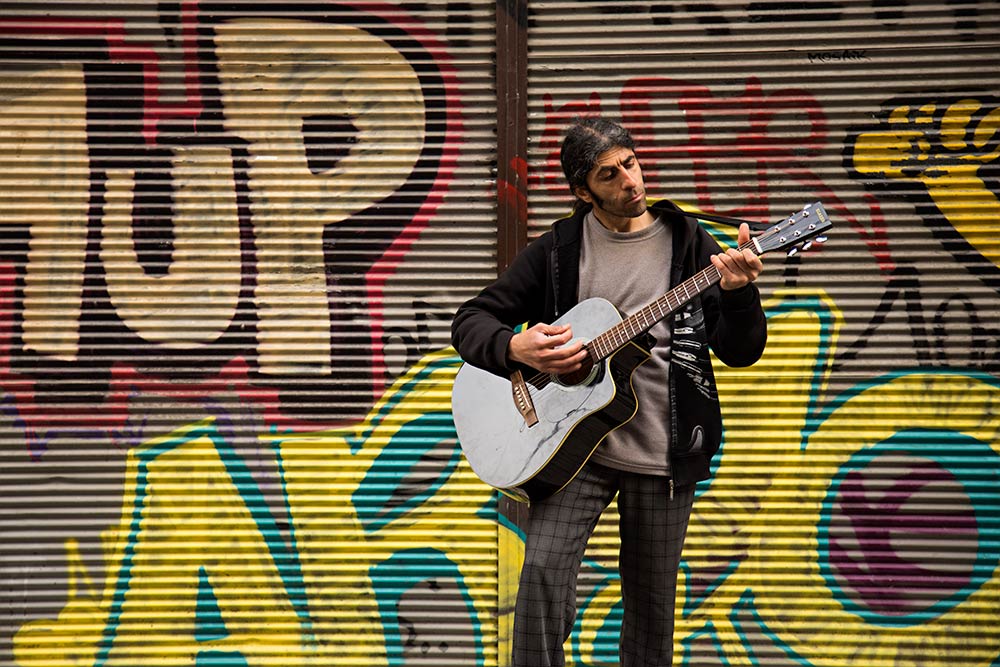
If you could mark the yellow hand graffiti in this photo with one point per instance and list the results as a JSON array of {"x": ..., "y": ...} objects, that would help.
[
  {"x": 930, "y": 142},
  {"x": 944, "y": 147}
]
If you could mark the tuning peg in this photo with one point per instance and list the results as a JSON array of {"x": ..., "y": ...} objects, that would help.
[
  {"x": 794, "y": 251},
  {"x": 808, "y": 244},
  {"x": 820, "y": 239}
]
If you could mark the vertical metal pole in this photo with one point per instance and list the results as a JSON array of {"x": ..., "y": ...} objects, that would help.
[
  {"x": 512, "y": 129},
  {"x": 512, "y": 237}
]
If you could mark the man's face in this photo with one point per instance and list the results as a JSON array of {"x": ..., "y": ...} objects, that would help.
[{"x": 615, "y": 186}]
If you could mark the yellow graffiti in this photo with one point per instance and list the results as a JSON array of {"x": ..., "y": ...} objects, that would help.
[
  {"x": 752, "y": 581},
  {"x": 592, "y": 619},
  {"x": 312, "y": 70},
  {"x": 510, "y": 557},
  {"x": 765, "y": 409},
  {"x": 311, "y": 594},
  {"x": 338, "y": 554},
  {"x": 921, "y": 401},
  {"x": 72, "y": 638},
  {"x": 182, "y": 514},
  {"x": 762, "y": 512},
  {"x": 950, "y": 166},
  {"x": 191, "y": 521},
  {"x": 206, "y": 242},
  {"x": 46, "y": 188}
]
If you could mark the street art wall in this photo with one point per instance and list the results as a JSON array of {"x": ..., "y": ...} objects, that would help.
[{"x": 233, "y": 237}]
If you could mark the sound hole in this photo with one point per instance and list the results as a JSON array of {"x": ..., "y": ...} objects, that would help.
[{"x": 586, "y": 374}]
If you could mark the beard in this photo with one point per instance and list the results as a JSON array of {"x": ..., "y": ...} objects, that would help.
[{"x": 624, "y": 210}]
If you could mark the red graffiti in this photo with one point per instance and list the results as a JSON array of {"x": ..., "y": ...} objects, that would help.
[
  {"x": 776, "y": 137},
  {"x": 556, "y": 120},
  {"x": 124, "y": 48},
  {"x": 514, "y": 193},
  {"x": 708, "y": 143}
]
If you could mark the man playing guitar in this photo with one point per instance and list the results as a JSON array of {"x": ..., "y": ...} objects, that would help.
[{"x": 618, "y": 247}]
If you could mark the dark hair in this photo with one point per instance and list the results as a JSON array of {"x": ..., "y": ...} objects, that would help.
[{"x": 586, "y": 139}]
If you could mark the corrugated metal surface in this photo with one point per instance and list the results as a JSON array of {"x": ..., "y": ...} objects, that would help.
[
  {"x": 852, "y": 520},
  {"x": 234, "y": 234}
]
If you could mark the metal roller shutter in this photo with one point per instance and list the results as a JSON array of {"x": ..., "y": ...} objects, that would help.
[
  {"x": 852, "y": 518},
  {"x": 234, "y": 234}
]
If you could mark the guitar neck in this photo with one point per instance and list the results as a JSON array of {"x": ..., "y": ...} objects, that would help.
[{"x": 609, "y": 342}]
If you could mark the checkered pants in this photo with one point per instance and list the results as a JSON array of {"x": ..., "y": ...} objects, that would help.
[{"x": 651, "y": 530}]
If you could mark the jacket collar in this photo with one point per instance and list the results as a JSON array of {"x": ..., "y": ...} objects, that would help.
[{"x": 569, "y": 230}]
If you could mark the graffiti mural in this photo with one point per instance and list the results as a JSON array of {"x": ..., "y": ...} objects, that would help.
[
  {"x": 203, "y": 208},
  {"x": 297, "y": 232},
  {"x": 852, "y": 461},
  {"x": 333, "y": 580},
  {"x": 941, "y": 154},
  {"x": 755, "y": 558},
  {"x": 227, "y": 428}
]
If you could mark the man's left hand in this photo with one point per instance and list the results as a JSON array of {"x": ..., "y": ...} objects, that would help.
[{"x": 738, "y": 267}]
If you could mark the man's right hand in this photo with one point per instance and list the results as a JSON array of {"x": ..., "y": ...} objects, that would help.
[{"x": 547, "y": 348}]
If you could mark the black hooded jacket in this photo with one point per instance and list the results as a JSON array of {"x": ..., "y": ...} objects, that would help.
[{"x": 541, "y": 285}]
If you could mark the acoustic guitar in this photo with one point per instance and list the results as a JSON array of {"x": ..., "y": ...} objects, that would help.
[{"x": 528, "y": 437}]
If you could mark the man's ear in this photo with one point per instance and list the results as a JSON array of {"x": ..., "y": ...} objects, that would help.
[{"x": 583, "y": 193}]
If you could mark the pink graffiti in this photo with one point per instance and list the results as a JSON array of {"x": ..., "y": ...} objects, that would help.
[
  {"x": 551, "y": 179},
  {"x": 383, "y": 269},
  {"x": 884, "y": 580}
]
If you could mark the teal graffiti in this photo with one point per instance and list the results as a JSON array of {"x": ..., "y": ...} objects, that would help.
[
  {"x": 208, "y": 622},
  {"x": 746, "y": 609},
  {"x": 606, "y": 641},
  {"x": 395, "y": 576},
  {"x": 285, "y": 557},
  {"x": 210, "y": 626},
  {"x": 606, "y": 637},
  {"x": 220, "y": 659},
  {"x": 356, "y": 442},
  {"x": 395, "y": 483},
  {"x": 712, "y": 634}
]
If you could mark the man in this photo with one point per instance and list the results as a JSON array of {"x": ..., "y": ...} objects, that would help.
[{"x": 617, "y": 247}]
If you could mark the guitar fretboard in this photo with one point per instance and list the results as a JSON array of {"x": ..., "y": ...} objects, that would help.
[
  {"x": 792, "y": 232},
  {"x": 638, "y": 323}
]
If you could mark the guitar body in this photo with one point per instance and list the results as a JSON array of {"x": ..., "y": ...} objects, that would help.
[{"x": 532, "y": 463}]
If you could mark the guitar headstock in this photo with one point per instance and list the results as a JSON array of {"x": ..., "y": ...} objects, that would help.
[{"x": 796, "y": 232}]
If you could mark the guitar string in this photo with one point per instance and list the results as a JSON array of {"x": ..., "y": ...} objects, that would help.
[{"x": 541, "y": 381}]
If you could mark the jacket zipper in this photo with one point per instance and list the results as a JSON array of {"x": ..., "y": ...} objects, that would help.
[{"x": 555, "y": 278}]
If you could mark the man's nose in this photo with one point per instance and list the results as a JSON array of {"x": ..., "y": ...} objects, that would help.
[{"x": 628, "y": 181}]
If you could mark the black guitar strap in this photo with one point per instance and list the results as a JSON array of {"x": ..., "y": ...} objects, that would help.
[{"x": 725, "y": 220}]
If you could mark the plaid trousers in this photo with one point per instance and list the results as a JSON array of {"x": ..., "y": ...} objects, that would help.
[{"x": 651, "y": 529}]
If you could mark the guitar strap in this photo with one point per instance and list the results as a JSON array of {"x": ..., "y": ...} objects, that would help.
[{"x": 725, "y": 220}]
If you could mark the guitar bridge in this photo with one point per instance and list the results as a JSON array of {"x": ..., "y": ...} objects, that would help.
[{"x": 522, "y": 399}]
